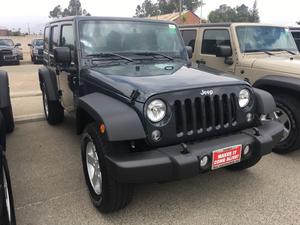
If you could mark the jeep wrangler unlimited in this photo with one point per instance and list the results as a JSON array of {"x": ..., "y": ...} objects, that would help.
[
  {"x": 143, "y": 114},
  {"x": 7, "y": 213},
  {"x": 263, "y": 55}
]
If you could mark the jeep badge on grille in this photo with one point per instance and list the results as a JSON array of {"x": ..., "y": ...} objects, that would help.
[{"x": 206, "y": 92}]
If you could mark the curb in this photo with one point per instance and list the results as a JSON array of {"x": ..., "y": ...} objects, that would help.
[{"x": 30, "y": 118}]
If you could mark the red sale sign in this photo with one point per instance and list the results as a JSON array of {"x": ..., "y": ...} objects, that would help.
[{"x": 226, "y": 156}]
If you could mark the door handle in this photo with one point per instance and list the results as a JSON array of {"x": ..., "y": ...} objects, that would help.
[{"x": 201, "y": 61}]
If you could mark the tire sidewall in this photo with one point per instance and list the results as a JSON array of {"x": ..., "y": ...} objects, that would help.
[
  {"x": 12, "y": 209},
  {"x": 284, "y": 104},
  {"x": 90, "y": 134}
]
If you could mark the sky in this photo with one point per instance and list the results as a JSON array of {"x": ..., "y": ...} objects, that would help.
[{"x": 34, "y": 13}]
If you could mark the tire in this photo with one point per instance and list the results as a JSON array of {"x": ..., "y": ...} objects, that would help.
[
  {"x": 53, "y": 110},
  {"x": 253, "y": 160},
  {"x": 8, "y": 119},
  {"x": 108, "y": 195},
  {"x": 8, "y": 216},
  {"x": 288, "y": 107}
]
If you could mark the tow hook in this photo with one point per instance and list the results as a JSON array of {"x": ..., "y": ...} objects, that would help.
[
  {"x": 184, "y": 149},
  {"x": 256, "y": 131}
]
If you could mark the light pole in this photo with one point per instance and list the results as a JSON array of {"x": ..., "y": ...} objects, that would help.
[{"x": 180, "y": 9}]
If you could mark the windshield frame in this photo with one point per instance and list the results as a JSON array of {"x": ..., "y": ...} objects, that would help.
[
  {"x": 109, "y": 19},
  {"x": 10, "y": 40},
  {"x": 263, "y": 50}
]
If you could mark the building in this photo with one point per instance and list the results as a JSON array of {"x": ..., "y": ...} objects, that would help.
[
  {"x": 187, "y": 17},
  {"x": 4, "y": 31}
]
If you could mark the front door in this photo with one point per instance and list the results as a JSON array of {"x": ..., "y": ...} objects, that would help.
[
  {"x": 67, "y": 80},
  {"x": 211, "y": 38}
]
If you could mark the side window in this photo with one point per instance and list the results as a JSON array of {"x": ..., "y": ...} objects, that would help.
[
  {"x": 296, "y": 35},
  {"x": 189, "y": 37},
  {"x": 46, "y": 38},
  {"x": 213, "y": 38},
  {"x": 54, "y": 37},
  {"x": 67, "y": 37}
]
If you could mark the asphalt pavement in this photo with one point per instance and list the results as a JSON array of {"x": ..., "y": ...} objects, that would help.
[{"x": 49, "y": 187}]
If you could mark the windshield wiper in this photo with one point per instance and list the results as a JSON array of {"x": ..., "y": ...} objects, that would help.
[
  {"x": 259, "y": 50},
  {"x": 110, "y": 54},
  {"x": 154, "y": 54},
  {"x": 283, "y": 50}
]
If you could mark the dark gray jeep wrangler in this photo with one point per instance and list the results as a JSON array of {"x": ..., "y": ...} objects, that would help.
[{"x": 144, "y": 115}]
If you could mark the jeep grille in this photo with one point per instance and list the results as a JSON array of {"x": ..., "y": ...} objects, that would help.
[{"x": 205, "y": 114}]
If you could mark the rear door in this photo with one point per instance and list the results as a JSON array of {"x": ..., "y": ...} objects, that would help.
[{"x": 211, "y": 37}]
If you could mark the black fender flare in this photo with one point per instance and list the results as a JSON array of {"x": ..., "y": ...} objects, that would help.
[
  {"x": 49, "y": 78},
  {"x": 276, "y": 81},
  {"x": 265, "y": 102},
  {"x": 121, "y": 121},
  {"x": 4, "y": 90}
]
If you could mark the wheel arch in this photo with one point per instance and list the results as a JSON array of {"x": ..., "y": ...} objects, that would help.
[
  {"x": 48, "y": 77},
  {"x": 279, "y": 85},
  {"x": 101, "y": 108},
  {"x": 4, "y": 90}
]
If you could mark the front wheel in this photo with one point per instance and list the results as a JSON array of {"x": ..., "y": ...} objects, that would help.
[
  {"x": 53, "y": 110},
  {"x": 8, "y": 119},
  {"x": 288, "y": 113},
  {"x": 106, "y": 193},
  {"x": 8, "y": 214}
]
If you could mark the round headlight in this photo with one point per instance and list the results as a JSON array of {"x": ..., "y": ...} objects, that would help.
[
  {"x": 244, "y": 98},
  {"x": 156, "y": 110}
]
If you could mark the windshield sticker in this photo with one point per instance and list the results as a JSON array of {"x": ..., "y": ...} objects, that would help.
[{"x": 172, "y": 26}]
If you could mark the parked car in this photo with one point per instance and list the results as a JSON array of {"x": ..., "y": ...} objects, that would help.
[
  {"x": 263, "y": 55},
  {"x": 144, "y": 115},
  {"x": 7, "y": 213},
  {"x": 296, "y": 35},
  {"x": 36, "y": 50},
  {"x": 10, "y": 52}
]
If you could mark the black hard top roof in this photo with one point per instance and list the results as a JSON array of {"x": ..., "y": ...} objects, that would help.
[{"x": 84, "y": 18}]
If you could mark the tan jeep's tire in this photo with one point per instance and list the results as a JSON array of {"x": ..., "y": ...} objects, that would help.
[
  {"x": 106, "y": 193},
  {"x": 288, "y": 112}
]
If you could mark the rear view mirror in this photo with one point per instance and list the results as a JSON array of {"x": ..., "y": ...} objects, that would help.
[
  {"x": 189, "y": 50},
  {"x": 223, "y": 51},
  {"x": 62, "y": 55}
]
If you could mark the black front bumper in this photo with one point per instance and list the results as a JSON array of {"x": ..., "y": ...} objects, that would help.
[{"x": 169, "y": 163}]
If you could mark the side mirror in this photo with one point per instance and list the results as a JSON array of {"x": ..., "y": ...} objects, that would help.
[
  {"x": 18, "y": 45},
  {"x": 30, "y": 45},
  {"x": 62, "y": 55},
  {"x": 189, "y": 50},
  {"x": 223, "y": 51}
]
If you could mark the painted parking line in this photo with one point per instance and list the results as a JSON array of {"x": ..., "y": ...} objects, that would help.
[{"x": 29, "y": 118}]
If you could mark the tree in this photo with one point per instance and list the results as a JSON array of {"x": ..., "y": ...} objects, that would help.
[
  {"x": 73, "y": 9},
  {"x": 148, "y": 8},
  {"x": 238, "y": 14}
]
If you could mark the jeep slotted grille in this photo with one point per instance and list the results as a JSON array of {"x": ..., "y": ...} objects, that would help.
[{"x": 205, "y": 114}]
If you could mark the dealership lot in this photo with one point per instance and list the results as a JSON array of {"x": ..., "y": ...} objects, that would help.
[{"x": 49, "y": 187}]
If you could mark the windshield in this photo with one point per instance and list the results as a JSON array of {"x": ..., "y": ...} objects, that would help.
[
  {"x": 38, "y": 42},
  {"x": 264, "y": 38},
  {"x": 130, "y": 37},
  {"x": 6, "y": 42}
]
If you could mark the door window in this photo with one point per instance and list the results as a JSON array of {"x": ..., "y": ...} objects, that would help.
[
  {"x": 189, "y": 37},
  {"x": 67, "y": 37},
  {"x": 54, "y": 37},
  {"x": 46, "y": 38},
  {"x": 214, "y": 38}
]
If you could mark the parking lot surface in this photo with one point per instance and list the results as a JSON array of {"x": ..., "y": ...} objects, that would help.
[{"x": 49, "y": 188}]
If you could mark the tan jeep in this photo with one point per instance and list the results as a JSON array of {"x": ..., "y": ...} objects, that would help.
[{"x": 264, "y": 55}]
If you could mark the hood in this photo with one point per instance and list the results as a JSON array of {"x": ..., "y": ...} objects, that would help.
[
  {"x": 39, "y": 47},
  {"x": 287, "y": 64},
  {"x": 2, "y": 47},
  {"x": 182, "y": 79}
]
